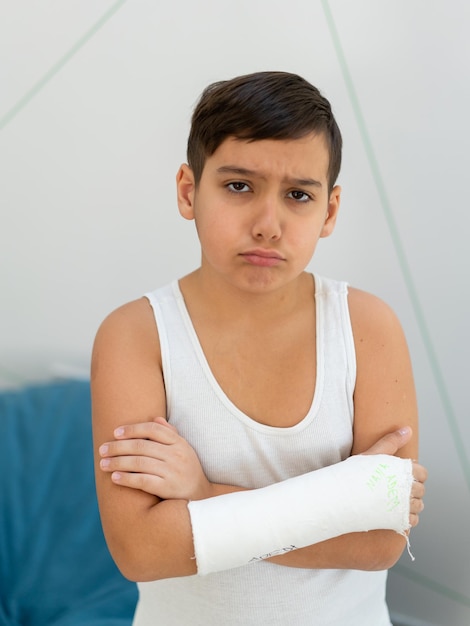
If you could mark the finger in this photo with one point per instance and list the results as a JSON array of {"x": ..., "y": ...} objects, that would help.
[
  {"x": 139, "y": 464},
  {"x": 420, "y": 473},
  {"x": 417, "y": 490},
  {"x": 147, "y": 430},
  {"x": 416, "y": 505},
  {"x": 144, "y": 482},
  {"x": 414, "y": 520},
  {"x": 141, "y": 447},
  {"x": 392, "y": 442}
]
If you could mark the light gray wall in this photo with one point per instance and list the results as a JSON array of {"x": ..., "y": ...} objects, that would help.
[{"x": 94, "y": 110}]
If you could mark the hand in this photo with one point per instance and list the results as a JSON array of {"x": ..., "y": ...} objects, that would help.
[
  {"x": 153, "y": 457},
  {"x": 390, "y": 444}
]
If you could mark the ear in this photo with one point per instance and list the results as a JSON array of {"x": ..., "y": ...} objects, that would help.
[
  {"x": 185, "y": 188},
  {"x": 332, "y": 213}
]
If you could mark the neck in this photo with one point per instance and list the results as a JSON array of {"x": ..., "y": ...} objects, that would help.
[{"x": 222, "y": 301}]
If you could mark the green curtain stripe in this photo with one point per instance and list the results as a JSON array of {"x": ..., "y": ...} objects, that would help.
[
  {"x": 55, "y": 69},
  {"x": 432, "y": 585},
  {"x": 399, "y": 249}
]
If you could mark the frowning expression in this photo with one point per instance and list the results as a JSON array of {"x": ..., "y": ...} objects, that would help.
[{"x": 260, "y": 208}]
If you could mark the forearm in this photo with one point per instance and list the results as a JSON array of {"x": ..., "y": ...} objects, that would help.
[
  {"x": 154, "y": 542},
  {"x": 161, "y": 543},
  {"x": 171, "y": 554},
  {"x": 371, "y": 551},
  {"x": 360, "y": 494}
]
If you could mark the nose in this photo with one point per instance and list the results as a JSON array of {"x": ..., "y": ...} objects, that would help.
[{"x": 267, "y": 220}]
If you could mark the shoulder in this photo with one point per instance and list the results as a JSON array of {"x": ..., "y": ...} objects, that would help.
[
  {"x": 133, "y": 319},
  {"x": 129, "y": 330},
  {"x": 371, "y": 317}
]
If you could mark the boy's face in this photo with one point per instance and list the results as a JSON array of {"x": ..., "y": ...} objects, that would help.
[{"x": 260, "y": 208}]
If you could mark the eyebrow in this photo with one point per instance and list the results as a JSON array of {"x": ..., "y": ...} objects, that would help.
[{"x": 242, "y": 171}]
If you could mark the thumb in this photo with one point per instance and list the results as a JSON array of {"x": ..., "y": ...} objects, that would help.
[{"x": 391, "y": 442}]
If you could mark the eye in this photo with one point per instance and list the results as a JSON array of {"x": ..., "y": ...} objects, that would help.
[
  {"x": 299, "y": 196},
  {"x": 238, "y": 187}
]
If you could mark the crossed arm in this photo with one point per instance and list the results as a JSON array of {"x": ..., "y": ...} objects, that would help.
[
  {"x": 146, "y": 472},
  {"x": 152, "y": 457}
]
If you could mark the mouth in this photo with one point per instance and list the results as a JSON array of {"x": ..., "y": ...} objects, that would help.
[{"x": 262, "y": 257}]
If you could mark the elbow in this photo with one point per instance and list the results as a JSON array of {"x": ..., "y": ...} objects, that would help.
[
  {"x": 137, "y": 567},
  {"x": 135, "y": 573},
  {"x": 388, "y": 549},
  {"x": 152, "y": 543},
  {"x": 141, "y": 563},
  {"x": 391, "y": 557},
  {"x": 383, "y": 562},
  {"x": 133, "y": 567}
]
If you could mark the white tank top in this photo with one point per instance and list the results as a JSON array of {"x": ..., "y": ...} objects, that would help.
[{"x": 235, "y": 449}]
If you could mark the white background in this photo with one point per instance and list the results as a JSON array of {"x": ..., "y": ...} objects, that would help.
[{"x": 95, "y": 101}]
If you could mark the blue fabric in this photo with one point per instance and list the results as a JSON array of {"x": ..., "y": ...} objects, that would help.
[{"x": 55, "y": 568}]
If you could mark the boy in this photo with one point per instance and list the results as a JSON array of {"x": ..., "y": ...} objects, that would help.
[{"x": 266, "y": 377}]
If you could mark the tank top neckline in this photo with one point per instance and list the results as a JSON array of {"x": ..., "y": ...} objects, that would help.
[{"x": 234, "y": 410}]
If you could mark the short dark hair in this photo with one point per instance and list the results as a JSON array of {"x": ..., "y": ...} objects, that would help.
[{"x": 263, "y": 105}]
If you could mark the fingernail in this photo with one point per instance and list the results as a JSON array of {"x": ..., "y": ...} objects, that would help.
[
  {"x": 116, "y": 476},
  {"x": 104, "y": 463},
  {"x": 119, "y": 432},
  {"x": 404, "y": 431},
  {"x": 103, "y": 449}
]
